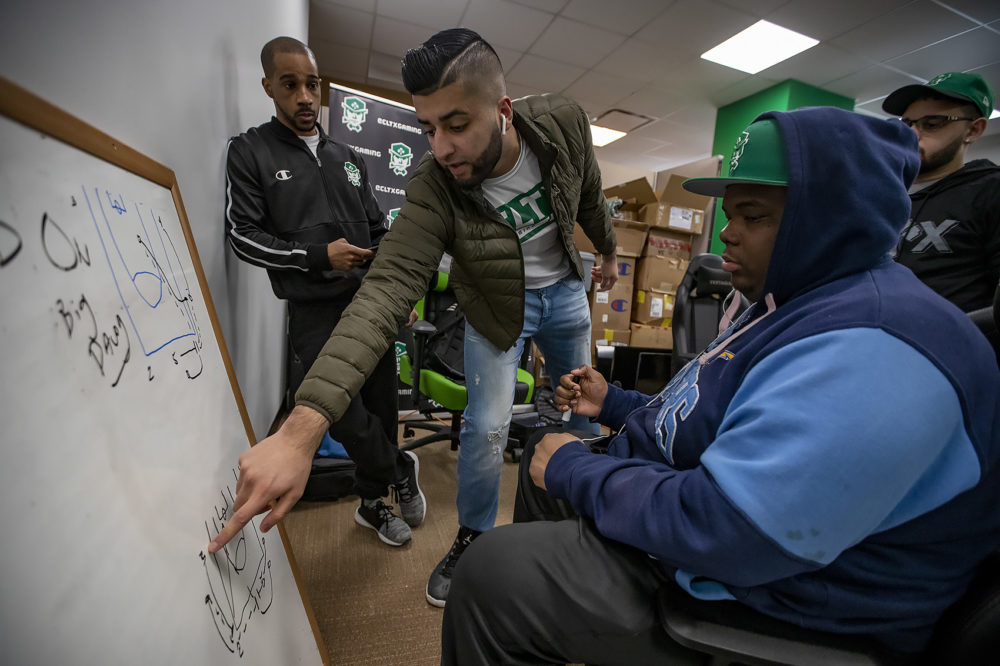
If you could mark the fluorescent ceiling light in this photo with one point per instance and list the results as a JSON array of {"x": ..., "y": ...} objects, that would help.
[
  {"x": 995, "y": 114},
  {"x": 758, "y": 47},
  {"x": 603, "y": 135}
]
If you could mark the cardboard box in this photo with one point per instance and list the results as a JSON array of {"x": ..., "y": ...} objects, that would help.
[
  {"x": 626, "y": 268},
  {"x": 658, "y": 337},
  {"x": 672, "y": 208},
  {"x": 666, "y": 243},
  {"x": 583, "y": 243},
  {"x": 631, "y": 238},
  {"x": 652, "y": 307},
  {"x": 611, "y": 309},
  {"x": 677, "y": 209},
  {"x": 607, "y": 337},
  {"x": 660, "y": 273},
  {"x": 634, "y": 195}
]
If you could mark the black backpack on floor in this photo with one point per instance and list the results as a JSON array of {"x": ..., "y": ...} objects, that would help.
[{"x": 330, "y": 479}]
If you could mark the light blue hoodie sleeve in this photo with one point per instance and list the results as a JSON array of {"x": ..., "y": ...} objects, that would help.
[{"x": 838, "y": 436}]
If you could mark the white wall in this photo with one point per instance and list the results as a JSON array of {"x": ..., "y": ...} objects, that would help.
[
  {"x": 616, "y": 174},
  {"x": 173, "y": 80}
]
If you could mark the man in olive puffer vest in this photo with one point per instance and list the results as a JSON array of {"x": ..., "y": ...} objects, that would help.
[{"x": 499, "y": 192}]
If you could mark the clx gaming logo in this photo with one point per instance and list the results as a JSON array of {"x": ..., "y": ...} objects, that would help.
[
  {"x": 400, "y": 158},
  {"x": 391, "y": 216},
  {"x": 353, "y": 174},
  {"x": 355, "y": 113},
  {"x": 741, "y": 144}
]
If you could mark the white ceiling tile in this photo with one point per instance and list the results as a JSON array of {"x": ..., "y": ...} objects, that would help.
[
  {"x": 508, "y": 57},
  {"x": 962, "y": 52},
  {"x": 574, "y": 42},
  {"x": 507, "y": 24},
  {"x": 758, "y": 7},
  {"x": 622, "y": 16},
  {"x": 542, "y": 74},
  {"x": 641, "y": 60},
  {"x": 340, "y": 61},
  {"x": 823, "y": 20},
  {"x": 550, "y": 6},
  {"x": 738, "y": 91},
  {"x": 984, "y": 11},
  {"x": 817, "y": 65},
  {"x": 876, "y": 82},
  {"x": 398, "y": 37},
  {"x": 343, "y": 25},
  {"x": 662, "y": 56},
  {"x": 363, "y": 5},
  {"x": 654, "y": 102},
  {"x": 599, "y": 86},
  {"x": 697, "y": 77},
  {"x": 436, "y": 14},
  {"x": 691, "y": 27},
  {"x": 906, "y": 29},
  {"x": 516, "y": 90},
  {"x": 695, "y": 114}
]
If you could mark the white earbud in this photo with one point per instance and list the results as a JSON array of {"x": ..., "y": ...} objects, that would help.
[{"x": 503, "y": 125}]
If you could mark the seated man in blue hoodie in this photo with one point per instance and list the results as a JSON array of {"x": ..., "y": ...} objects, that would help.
[{"x": 831, "y": 460}]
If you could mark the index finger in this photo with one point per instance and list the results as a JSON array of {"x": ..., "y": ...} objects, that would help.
[{"x": 239, "y": 520}]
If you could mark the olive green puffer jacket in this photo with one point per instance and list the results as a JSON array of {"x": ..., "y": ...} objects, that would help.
[{"x": 487, "y": 270}]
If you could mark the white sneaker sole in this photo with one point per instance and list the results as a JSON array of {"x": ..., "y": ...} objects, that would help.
[
  {"x": 434, "y": 602},
  {"x": 364, "y": 523}
]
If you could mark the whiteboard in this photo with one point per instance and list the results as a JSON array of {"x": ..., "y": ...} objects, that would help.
[{"x": 121, "y": 422}]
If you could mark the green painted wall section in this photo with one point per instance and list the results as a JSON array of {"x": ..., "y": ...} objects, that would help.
[{"x": 733, "y": 118}]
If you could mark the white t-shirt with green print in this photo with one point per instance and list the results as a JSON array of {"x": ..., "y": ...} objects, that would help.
[{"x": 522, "y": 200}]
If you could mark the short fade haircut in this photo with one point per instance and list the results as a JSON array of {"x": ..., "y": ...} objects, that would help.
[
  {"x": 281, "y": 45},
  {"x": 968, "y": 109},
  {"x": 456, "y": 54}
]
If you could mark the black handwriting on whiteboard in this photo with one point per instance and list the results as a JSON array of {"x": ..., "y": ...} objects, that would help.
[
  {"x": 63, "y": 253},
  {"x": 101, "y": 345},
  {"x": 239, "y": 577},
  {"x": 10, "y": 243}
]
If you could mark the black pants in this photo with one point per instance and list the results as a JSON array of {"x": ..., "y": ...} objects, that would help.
[
  {"x": 554, "y": 591},
  {"x": 369, "y": 427}
]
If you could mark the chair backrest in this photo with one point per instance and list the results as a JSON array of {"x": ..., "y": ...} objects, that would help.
[
  {"x": 698, "y": 308},
  {"x": 969, "y": 631}
]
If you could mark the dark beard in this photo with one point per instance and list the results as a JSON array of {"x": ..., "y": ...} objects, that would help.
[
  {"x": 940, "y": 158},
  {"x": 485, "y": 163}
]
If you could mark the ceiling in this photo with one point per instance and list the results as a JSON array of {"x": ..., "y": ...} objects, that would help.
[{"x": 642, "y": 56}]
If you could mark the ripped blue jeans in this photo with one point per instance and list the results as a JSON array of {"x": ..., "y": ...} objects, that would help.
[{"x": 557, "y": 318}]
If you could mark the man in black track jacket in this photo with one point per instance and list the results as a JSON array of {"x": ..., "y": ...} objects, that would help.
[
  {"x": 300, "y": 205},
  {"x": 952, "y": 241}
]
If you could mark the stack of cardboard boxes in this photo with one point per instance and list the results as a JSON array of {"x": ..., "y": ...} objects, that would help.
[{"x": 655, "y": 234}]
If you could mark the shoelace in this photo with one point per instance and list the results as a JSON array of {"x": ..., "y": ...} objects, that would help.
[
  {"x": 384, "y": 511},
  {"x": 456, "y": 551},
  {"x": 401, "y": 492}
]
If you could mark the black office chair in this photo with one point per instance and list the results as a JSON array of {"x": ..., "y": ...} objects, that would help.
[
  {"x": 435, "y": 355},
  {"x": 698, "y": 308},
  {"x": 967, "y": 634},
  {"x": 988, "y": 321}
]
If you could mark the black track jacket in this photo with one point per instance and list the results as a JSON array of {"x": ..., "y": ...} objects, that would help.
[
  {"x": 952, "y": 241},
  {"x": 283, "y": 206}
]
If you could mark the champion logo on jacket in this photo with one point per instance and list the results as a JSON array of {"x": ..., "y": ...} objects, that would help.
[{"x": 283, "y": 174}]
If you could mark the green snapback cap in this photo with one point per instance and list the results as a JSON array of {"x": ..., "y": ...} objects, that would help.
[
  {"x": 758, "y": 159},
  {"x": 957, "y": 85}
]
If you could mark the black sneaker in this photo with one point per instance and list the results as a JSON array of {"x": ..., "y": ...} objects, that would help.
[
  {"x": 440, "y": 581},
  {"x": 407, "y": 494},
  {"x": 377, "y": 515}
]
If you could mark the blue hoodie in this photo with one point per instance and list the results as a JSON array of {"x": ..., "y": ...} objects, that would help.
[{"x": 831, "y": 459}]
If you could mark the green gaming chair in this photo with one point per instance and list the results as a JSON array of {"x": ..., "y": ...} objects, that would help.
[{"x": 441, "y": 326}]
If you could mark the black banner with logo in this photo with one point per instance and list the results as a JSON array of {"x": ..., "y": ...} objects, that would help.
[{"x": 386, "y": 134}]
